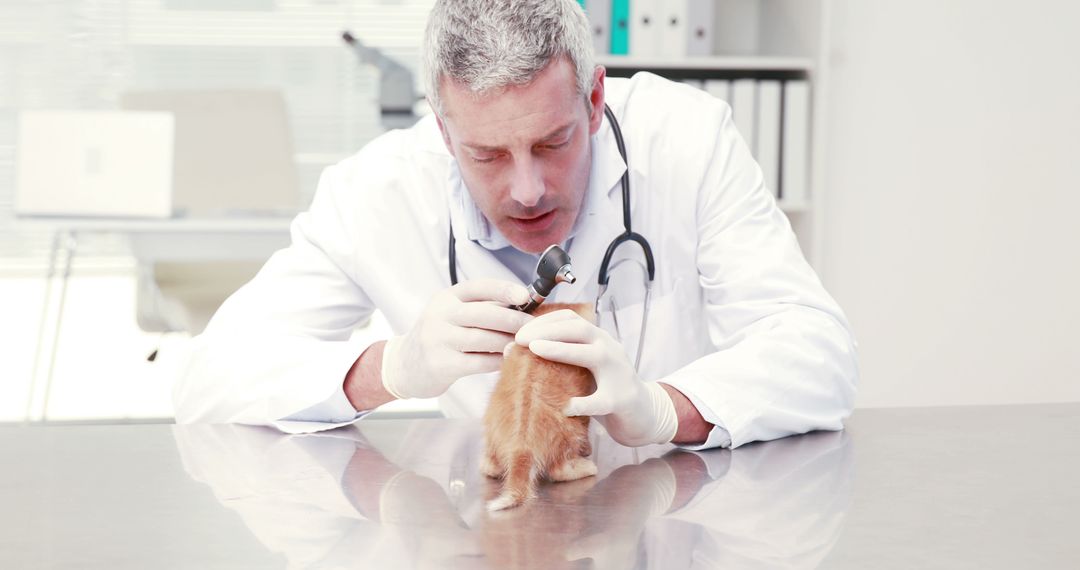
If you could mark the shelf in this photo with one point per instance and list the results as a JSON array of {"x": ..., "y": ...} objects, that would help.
[
  {"x": 236, "y": 223},
  {"x": 734, "y": 67}
]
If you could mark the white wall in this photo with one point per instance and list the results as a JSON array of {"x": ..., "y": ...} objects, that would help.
[{"x": 953, "y": 173}]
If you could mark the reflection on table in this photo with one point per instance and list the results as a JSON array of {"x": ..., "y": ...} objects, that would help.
[{"x": 413, "y": 496}]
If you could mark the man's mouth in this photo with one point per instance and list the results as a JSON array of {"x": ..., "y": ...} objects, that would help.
[{"x": 535, "y": 223}]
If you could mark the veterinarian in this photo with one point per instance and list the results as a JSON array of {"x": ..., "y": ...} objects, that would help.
[{"x": 738, "y": 340}]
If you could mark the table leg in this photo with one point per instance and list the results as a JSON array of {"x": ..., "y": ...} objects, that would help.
[
  {"x": 71, "y": 245},
  {"x": 49, "y": 275}
]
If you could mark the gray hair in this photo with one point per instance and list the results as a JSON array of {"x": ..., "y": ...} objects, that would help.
[{"x": 490, "y": 44}]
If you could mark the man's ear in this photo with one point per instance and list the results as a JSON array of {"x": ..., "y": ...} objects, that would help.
[
  {"x": 443, "y": 132},
  {"x": 596, "y": 99}
]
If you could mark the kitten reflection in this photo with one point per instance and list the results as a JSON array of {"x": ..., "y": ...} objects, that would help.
[{"x": 610, "y": 514}]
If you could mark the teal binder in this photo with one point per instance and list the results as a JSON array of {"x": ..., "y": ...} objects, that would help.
[{"x": 620, "y": 27}]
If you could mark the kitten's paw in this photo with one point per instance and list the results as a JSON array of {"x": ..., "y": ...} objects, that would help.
[
  {"x": 489, "y": 467},
  {"x": 503, "y": 502},
  {"x": 572, "y": 470}
]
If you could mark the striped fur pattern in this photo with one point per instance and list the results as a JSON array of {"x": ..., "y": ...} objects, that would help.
[{"x": 528, "y": 437}]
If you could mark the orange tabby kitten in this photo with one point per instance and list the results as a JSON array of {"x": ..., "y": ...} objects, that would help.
[{"x": 528, "y": 436}]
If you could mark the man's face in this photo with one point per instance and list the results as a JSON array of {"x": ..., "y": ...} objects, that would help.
[{"x": 524, "y": 151}]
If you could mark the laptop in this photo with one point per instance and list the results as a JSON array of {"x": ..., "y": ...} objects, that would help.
[{"x": 94, "y": 163}]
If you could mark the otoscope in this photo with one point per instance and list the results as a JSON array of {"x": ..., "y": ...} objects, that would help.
[{"x": 552, "y": 269}]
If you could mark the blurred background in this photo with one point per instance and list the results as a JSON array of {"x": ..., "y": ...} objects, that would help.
[{"x": 936, "y": 197}]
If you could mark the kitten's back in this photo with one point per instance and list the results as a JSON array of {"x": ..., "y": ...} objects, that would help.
[{"x": 528, "y": 434}]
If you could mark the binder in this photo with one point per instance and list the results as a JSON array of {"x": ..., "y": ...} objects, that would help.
[
  {"x": 738, "y": 25},
  {"x": 701, "y": 26},
  {"x": 719, "y": 88},
  {"x": 767, "y": 135},
  {"x": 599, "y": 13},
  {"x": 743, "y": 104},
  {"x": 644, "y": 28},
  {"x": 620, "y": 27},
  {"x": 795, "y": 161},
  {"x": 674, "y": 38}
]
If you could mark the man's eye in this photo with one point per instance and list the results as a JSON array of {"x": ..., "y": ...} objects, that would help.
[
  {"x": 556, "y": 146},
  {"x": 483, "y": 159}
]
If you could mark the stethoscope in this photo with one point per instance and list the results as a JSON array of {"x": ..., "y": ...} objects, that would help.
[{"x": 628, "y": 235}]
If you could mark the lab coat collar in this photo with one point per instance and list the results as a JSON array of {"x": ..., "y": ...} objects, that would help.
[
  {"x": 478, "y": 228},
  {"x": 608, "y": 165},
  {"x": 474, "y": 261},
  {"x": 600, "y": 221}
]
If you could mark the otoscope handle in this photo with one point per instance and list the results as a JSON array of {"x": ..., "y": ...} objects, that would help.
[
  {"x": 552, "y": 268},
  {"x": 530, "y": 306},
  {"x": 538, "y": 292}
]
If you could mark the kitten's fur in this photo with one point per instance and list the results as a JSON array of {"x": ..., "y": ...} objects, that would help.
[{"x": 528, "y": 436}]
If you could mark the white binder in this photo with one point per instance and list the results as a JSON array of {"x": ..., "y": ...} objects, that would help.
[
  {"x": 767, "y": 137},
  {"x": 599, "y": 13},
  {"x": 644, "y": 28},
  {"x": 701, "y": 26},
  {"x": 674, "y": 31},
  {"x": 795, "y": 171},
  {"x": 719, "y": 88},
  {"x": 743, "y": 105}
]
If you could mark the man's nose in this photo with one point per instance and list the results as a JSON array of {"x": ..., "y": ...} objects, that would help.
[{"x": 527, "y": 186}]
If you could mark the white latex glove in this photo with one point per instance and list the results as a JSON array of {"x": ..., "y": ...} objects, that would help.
[
  {"x": 633, "y": 412},
  {"x": 462, "y": 332}
]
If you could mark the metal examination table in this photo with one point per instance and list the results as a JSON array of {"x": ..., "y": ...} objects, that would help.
[{"x": 955, "y": 487}]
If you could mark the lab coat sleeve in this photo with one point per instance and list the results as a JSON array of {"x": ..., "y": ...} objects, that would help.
[
  {"x": 278, "y": 350},
  {"x": 783, "y": 359}
]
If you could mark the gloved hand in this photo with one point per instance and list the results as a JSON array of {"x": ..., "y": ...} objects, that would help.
[
  {"x": 633, "y": 412},
  {"x": 462, "y": 332}
]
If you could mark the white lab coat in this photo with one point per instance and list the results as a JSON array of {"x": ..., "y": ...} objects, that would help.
[{"x": 739, "y": 322}]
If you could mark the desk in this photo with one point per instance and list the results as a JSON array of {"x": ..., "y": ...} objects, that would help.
[
  {"x": 976, "y": 487},
  {"x": 164, "y": 240}
]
